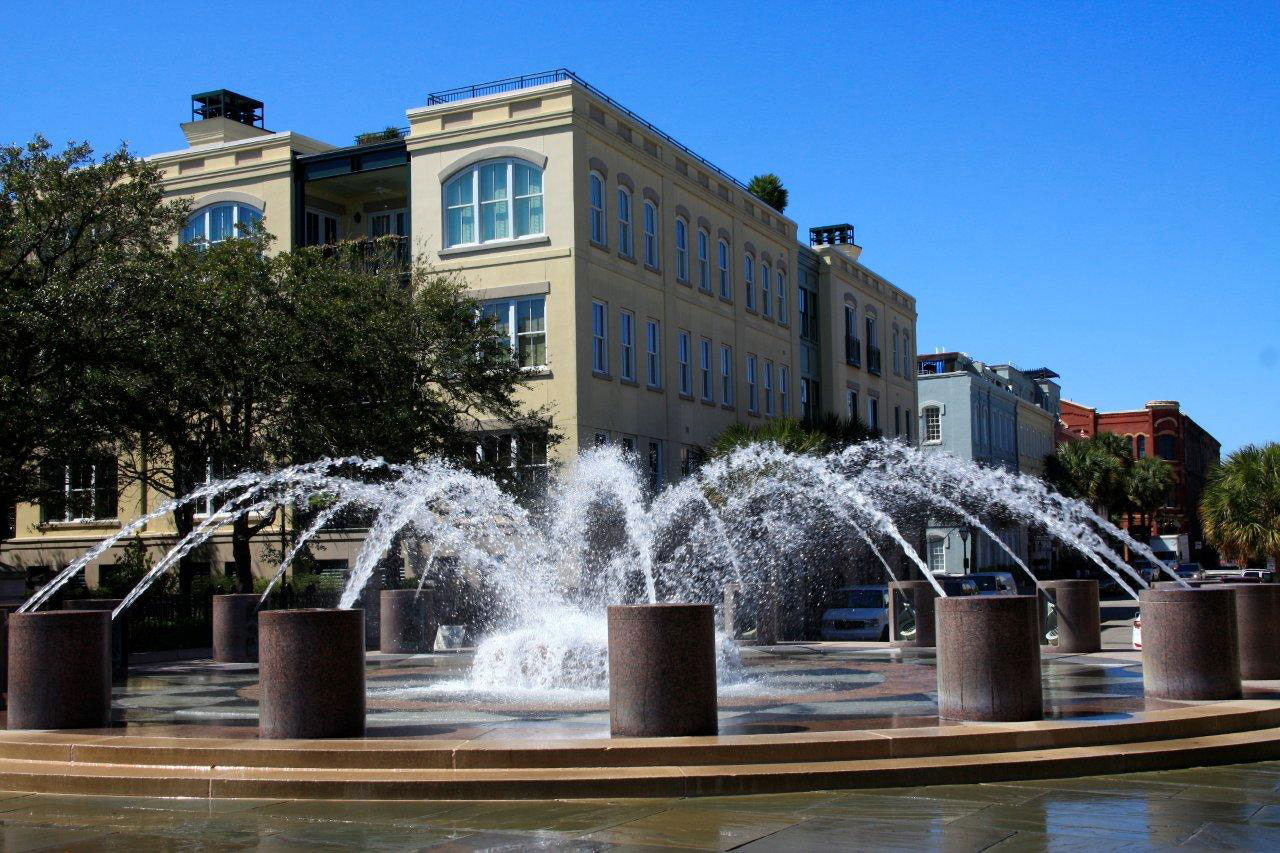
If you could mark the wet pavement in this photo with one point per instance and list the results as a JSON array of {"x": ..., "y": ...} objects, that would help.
[{"x": 1231, "y": 807}]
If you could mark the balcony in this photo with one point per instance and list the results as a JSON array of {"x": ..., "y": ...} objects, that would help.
[
  {"x": 852, "y": 351},
  {"x": 873, "y": 359}
]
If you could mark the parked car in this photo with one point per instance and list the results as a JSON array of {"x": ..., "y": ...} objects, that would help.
[
  {"x": 953, "y": 585},
  {"x": 1261, "y": 575},
  {"x": 864, "y": 615},
  {"x": 1190, "y": 571},
  {"x": 995, "y": 583}
]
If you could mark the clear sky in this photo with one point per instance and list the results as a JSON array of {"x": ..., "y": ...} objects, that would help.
[{"x": 1094, "y": 187}]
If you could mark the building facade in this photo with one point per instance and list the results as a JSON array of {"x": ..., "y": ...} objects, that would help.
[
  {"x": 1161, "y": 429},
  {"x": 650, "y": 299},
  {"x": 994, "y": 415}
]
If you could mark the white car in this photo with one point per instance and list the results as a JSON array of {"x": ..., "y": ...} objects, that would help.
[{"x": 864, "y": 616}]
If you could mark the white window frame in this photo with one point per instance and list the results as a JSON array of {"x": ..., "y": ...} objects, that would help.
[
  {"x": 653, "y": 353},
  {"x": 626, "y": 345},
  {"x": 753, "y": 397},
  {"x": 768, "y": 388},
  {"x": 726, "y": 280},
  {"x": 322, "y": 217},
  {"x": 626, "y": 246},
  {"x": 704, "y": 367},
  {"x": 91, "y": 491},
  {"x": 514, "y": 334},
  {"x": 600, "y": 337},
  {"x": 205, "y": 215},
  {"x": 937, "y": 549},
  {"x": 682, "y": 357},
  {"x": 726, "y": 375},
  {"x": 784, "y": 398},
  {"x": 650, "y": 225},
  {"x": 472, "y": 173},
  {"x": 873, "y": 412},
  {"x": 896, "y": 364},
  {"x": 766, "y": 290},
  {"x": 749, "y": 279},
  {"x": 595, "y": 201},
  {"x": 704, "y": 260},
  {"x": 682, "y": 249},
  {"x": 782, "y": 298}
]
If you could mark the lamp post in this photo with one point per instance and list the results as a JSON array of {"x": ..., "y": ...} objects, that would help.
[{"x": 964, "y": 547}]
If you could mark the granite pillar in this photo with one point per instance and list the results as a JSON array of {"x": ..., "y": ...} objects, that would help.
[
  {"x": 919, "y": 596},
  {"x": 119, "y": 632},
  {"x": 988, "y": 658},
  {"x": 235, "y": 628},
  {"x": 662, "y": 670},
  {"x": 1078, "y": 613},
  {"x": 1257, "y": 629},
  {"x": 406, "y": 625},
  {"x": 60, "y": 669},
  {"x": 1189, "y": 645},
  {"x": 311, "y": 669}
]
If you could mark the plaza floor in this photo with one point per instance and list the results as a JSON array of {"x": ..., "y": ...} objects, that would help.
[{"x": 1231, "y": 807}]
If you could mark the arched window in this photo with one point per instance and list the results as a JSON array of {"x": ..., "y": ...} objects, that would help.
[
  {"x": 932, "y": 423},
  {"x": 726, "y": 288},
  {"x": 503, "y": 196},
  {"x": 704, "y": 260},
  {"x": 650, "y": 234},
  {"x": 682, "y": 250},
  {"x": 782, "y": 297},
  {"x": 624, "y": 222},
  {"x": 896, "y": 362},
  {"x": 766, "y": 290},
  {"x": 906, "y": 356},
  {"x": 219, "y": 222},
  {"x": 1142, "y": 447},
  {"x": 749, "y": 279},
  {"x": 596, "y": 202}
]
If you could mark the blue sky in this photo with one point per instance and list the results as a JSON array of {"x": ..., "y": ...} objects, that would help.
[{"x": 1091, "y": 187}]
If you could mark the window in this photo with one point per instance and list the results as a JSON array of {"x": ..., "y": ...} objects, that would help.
[
  {"x": 873, "y": 413},
  {"x": 83, "y": 490},
  {"x": 704, "y": 368},
  {"x": 704, "y": 260},
  {"x": 906, "y": 356},
  {"x": 808, "y": 398},
  {"x": 653, "y": 353},
  {"x": 319, "y": 228},
  {"x": 596, "y": 202},
  {"x": 873, "y": 348},
  {"x": 503, "y": 196},
  {"x": 906, "y": 424},
  {"x": 896, "y": 361},
  {"x": 749, "y": 279},
  {"x": 723, "y": 257},
  {"x": 682, "y": 356},
  {"x": 655, "y": 464},
  {"x": 851, "y": 403},
  {"x": 522, "y": 323},
  {"x": 753, "y": 401},
  {"x": 726, "y": 375},
  {"x": 521, "y": 458},
  {"x": 897, "y": 419},
  {"x": 682, "y": 250},
  {"x": 808, "y": 302},
  {"x": 937, "y": 556},
  {"x": 766, "y": 290},
  {"x": 220, "y": 222},
  {"x": 782, "y": 298},
  {"x": 209, "y": 504},
  {"x": 599, "y": 337},
  {"x": 784, "y": 398},
  {"x": 1142, "y": 447},
  {"x": 650, "y": 234},
  {"x": 627, "y": 346},
  {"x": 852, "y": 346},
  {"x": 768, "y": 387},
  {"x": 1166, "y": 447},
  {"x": 624, "y": 222}
]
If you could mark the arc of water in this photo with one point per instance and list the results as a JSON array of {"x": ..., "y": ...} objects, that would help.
[{"x": 324, "y": 517}]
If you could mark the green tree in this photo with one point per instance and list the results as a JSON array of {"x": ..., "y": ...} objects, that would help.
[
  {"x": 823, "y": 434},
  {"x": 769, "y": 189},
  {"x": 1095, "y": 471},
  {"x": 1240, "y": 508},
  {"x": 80, "y": 238},
  {"x": 1147, "y": 487}
]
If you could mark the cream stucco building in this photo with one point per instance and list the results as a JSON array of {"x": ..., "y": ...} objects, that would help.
[{"x": 650, "y": 298}]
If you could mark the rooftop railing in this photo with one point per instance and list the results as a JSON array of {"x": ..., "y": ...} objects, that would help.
[{"x": 559, "y": 75}]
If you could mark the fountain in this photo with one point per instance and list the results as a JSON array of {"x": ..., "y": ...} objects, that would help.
[{"x": 542, "y": 577}]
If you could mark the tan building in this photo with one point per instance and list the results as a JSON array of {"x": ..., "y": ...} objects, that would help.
[{"x": 650, "y": 298}]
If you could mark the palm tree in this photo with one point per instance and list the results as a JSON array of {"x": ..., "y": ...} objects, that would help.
[
  {"x": 769, "y": 189},
  {"x": 821, "y": 434},
  {"x": 1091, "y": 471},
  {"x": 1240, "y": 508},
  {"x": 1147, "y": 487}
]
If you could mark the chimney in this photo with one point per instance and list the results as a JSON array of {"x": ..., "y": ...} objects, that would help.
[{"x": 223, "y": 116}]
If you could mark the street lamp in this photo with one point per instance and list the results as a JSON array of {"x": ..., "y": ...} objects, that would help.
[{"x": 964, "y": 547}]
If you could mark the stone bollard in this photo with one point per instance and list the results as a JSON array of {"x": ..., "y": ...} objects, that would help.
[
  {"x": 1078, "y": 613},
  {"x": 5, "y": 610},
  {"x": 119, "y": 632},
  {"x": 60, "y": 669},
  {"x": 1257, "y": 629},
  {"x": 406, "y": 625},
  {"x": 920, "y": 597},
  {"x": 662, "y": 670},
  {"x": 988, "y": 658},
  {"x": 311, "y": 671},
  {"x": 1189, "y": 646},
  {"x": 235, "y": 628}
]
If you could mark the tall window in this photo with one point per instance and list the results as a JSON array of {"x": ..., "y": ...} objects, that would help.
[
  {"x": 768, "y": 387},
  {"x": 937, "y": 556},
  {"x": 220, "y": 222},
  {"x": 503, "y": 196},
  {"x": 852, "y": 346},
  {"x": 599, "y": 337},
  {"x": 726, "y": 288},
  {"x": 522, "y": 323},
  {"x": 782, "y": 298},
  {"x": 784, "y": 392},
  {"x": 627, "y": 345},
  {"x": 906, "y": 424},
  {"x": 704, "y": 260},
  {"x": 653, "y": 353},
  {"x": 1142, "y": 446},
  {"x": 753, "y": 401},
  {"x": 319, "y": 228},
  {"x": 84, "y": 490},
  {"x": 897, "y": 418},
  {"x": 851, "y": 403},
  {"x": 650, "y": 234},
  {"x": 682, "y": 355},
  {"x": 749, "y": 279},
  {"x": 596, "y": 201},
  {"x": 766, "y": 290},
  {"x": 896, "y": 361},
  {"x": 682, "y": 250},
  {"x": 704, "y": 368},
  {"x": 1166, "y": 447},
  {"x": 624, "y": 222},
  {"x": 726, "y": 375},
  {"x": 906, "y": 356},
  {"x": 873, "y": 345},
  {"x": 873, "y": 413}
]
